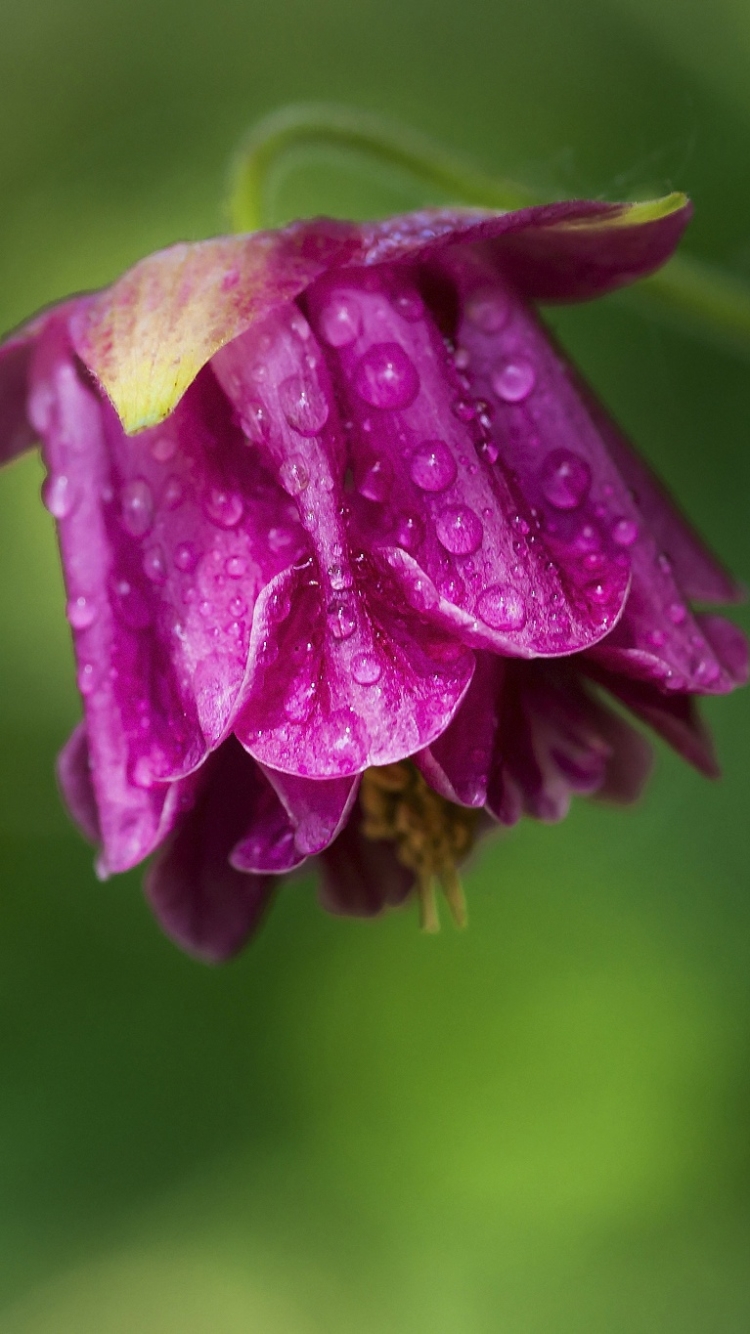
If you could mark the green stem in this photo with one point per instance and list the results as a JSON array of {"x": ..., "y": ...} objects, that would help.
[{"x": 702, "y": 298}]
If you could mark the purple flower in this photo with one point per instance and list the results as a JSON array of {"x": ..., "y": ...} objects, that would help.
[{"x": 353, "y": 556}]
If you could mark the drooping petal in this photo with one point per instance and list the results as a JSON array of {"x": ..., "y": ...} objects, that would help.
[
  {"x": 317, "y": 809},
  {"x": 76, "y": 783},
  {"x": 541, "y": 428},
  {"x": 17, "y": 432},
  {"x": 451, "y": 524},
  {"x": 147, "y": 337},
  {"x": 341, "y": 673},
  {"x": 360, "y": 877},
  {"x": 672, "y": 716},
  {"x": 130, "y": 703},
  {"x": 555, "y": 740},
  {"x": 569, "y": 251},
  {"x": 457, "y": 764},
  {"x": 207, "y": 906}
]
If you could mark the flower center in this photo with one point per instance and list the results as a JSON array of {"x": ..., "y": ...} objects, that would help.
[{"x": 430, "y": 835}]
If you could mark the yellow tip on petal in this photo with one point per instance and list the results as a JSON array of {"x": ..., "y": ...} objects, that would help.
[{"x": 631, "y": 215}]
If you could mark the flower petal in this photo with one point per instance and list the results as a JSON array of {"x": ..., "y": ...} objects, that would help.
[
  {"x": 200, "y": 900},
  {"x": 452, "y": 525},
  {"x": 360, "y": 877},
  {"x": 544, "y": 433},
  {"x": 569, "y": 251},
  {"x": 146, "y": 337},
  {"x": 341, "y": 674},
  {"x": 76, "y": 783},
  {"x": 674, "y": 717},
  {"x": 292, "y": 819}
]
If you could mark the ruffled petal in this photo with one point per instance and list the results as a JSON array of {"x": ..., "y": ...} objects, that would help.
[
  {"x": 76, "y": 783},
  {"x": 570, "y": 251},
  {"x": 541, "y": 428},
  {"x": 207, "y": 906},
  {"x": 341, "y": 672},
  {"x": 555, "y": 741},
  {"x": 462, "y": 541},
  {"x": 293, "y": 818},
  {"x": 360, "y": 877},
  {"x": 146, "y": 337}
]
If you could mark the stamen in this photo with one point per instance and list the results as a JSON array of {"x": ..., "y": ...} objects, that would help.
[{"x": 430, "y": 835}]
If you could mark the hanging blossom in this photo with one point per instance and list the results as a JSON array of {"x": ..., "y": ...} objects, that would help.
[{"x": 353, "y": 556}]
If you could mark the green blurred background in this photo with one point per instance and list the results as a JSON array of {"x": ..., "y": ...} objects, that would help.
[{"x": 541, "y": 1125}]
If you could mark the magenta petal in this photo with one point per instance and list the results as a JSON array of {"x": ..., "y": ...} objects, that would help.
[
  {"x": 200, "y": 900},
  {"x": 317, "y": 809},
  {"x": 457, "y": 764},
  {"x": 462, "y": 542},
  {"x": 569, "y": 251},
  {"x": 360, "y": 877},
  {"x": 16, "y": 431},
  {"x": 630, "y": 761},
  {"x": 341, "y": 674},
  {"x": 543, "y": 431},
  {"x": 674, "y": 717},
  {"x": 76, "y": 784}
]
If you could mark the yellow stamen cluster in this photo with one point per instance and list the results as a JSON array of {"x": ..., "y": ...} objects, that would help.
[{"x": 430, "y": 835}]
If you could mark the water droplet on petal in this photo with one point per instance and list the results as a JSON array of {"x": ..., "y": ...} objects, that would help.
[
  {"x": 459, "y": 530},
  {"x": 86, "y": 679},
  {"x": 489, "y": 452},
  {"x": 502, "y": 607},
  {"x": 366, "y": 669},
  {"x": 137, "y": 507},
  {"x": 488, "y": 310},
  {"x": 81, "y": 613},
  {"x": 163, "y": 448},
  {"x": 154, "y": 565},
  {"x": 625, "y": 532},
  {"x": 385, "y": 377},
  {"x": 340, "y": 320},
  {"x": 294, "y": 475},
  {"x": 185, "y": 557},
  {"x": 409, "y": 531},
  {"x": 224, "y": 508},
  {"x": 256, "y": 422},
  {"x": 464, "y": 409},
  {"x": 677, "y": 613},
  {"x": 433, "y": 467},
  {"x": 514, "y": 382},
  {"x": 665, "y": 564},
  {"x": 58, "y": 495},
  {"x": 566, "y": 479},
  {"x": 410, "y": 306},
  {"x": 340, "y": 578},
  {"x": 237, "y": 607},
  {"x": 279, "y": 606},
  {"x": 453, "y": 589},
  {"x": 173, "y": 493},
  {"x": 341, "y": 620},
  {"x": 304, "y": 404},
  {"x": 375, "y": 482},
  {"x": 130, "y": 605},
  {"x": 235, "y": 567}
]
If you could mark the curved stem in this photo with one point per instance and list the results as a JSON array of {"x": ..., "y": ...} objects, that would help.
[
  {"x": 323, "y": 125},
  {"x": 701, "y": 297}
]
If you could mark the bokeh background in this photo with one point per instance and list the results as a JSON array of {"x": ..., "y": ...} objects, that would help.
[{"x": 541, "y": 1125}]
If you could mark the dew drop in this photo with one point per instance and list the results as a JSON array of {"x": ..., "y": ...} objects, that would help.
[
  {"x": 86, "y": 678},
  {"x": 677, "y": 613},
  {"x": 297, "y": 706},
  {"x": 385, "y": 377},
  {"x": 163, "y": 448},
  {"x": 224, "y": 508},
  {"x": 502, "y": 607},
  {"x": 625, "y": 532},
  {"x": 342, "y": 621},
  {"x": 137, "y": 507},
  {"x": 514, "y": 382},
  {"x": 459, "y": 530},
  {"x": 488, "y": 310},
  {"x": 340, "y": 320},
  {"x": 433, "y": 467},
  {"x": 410, "y": 306},
  {"x": 294, "y": 475},
  {"x": 304, "y": 404},
  {"x": 453, "y": 589},
  {"x": 58, "y": 495},
  {"x": 657, "y": 638},
  {"x": 130, "y": 605},
  {"x": 278, "y": 606},
  {"x": 489, "y": 452},
  {"x": 235, "y": 567},
  {"x": 375, "y": 482},
  {"x": 185, "y": 557},
  {"x": 256, "y": 422},
  {"x": 340, "y": 578},
  {"x": 598, "y": 592},
  {"x": 81, "y": 613},
  {"x": 237, "y": 607},
  {"x": 154, "y": 565},
  {"x": 464, "y": 409},
  {"x": 566, "y": 479},
  {"x": 409, "y": 531},
  {"x": 366, "y": 669},
  {"x": 173, "y": 493}
]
